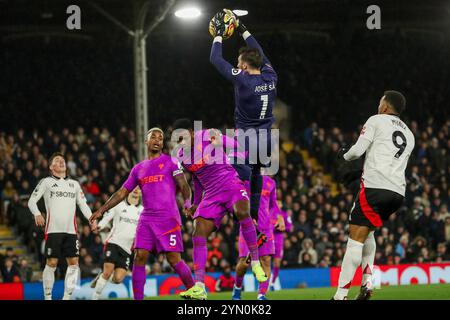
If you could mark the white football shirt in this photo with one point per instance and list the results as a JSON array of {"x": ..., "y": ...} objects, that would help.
[
  {"x": 124, "y": 218},
  {"x": 388, "y": 143},
  {"x": 61, "y": 196}
]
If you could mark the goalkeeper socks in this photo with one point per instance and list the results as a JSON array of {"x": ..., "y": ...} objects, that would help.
[
  {"x": 70, "y": 281},
  {"x": 256, "y": 182},
  {"x": 368, "y": 257},
  {"x": 48, "y": 279},
  {"x": 276, "y": 270},
  {"x": 249, "y": 234},
  {"x": 200, "y": 254},
  {"x": 352, "y": 260},
  {"x": 183, "y": 271},
  {"x": 239, "y": 281},
  {"x": 138, "y": 279},
  {"x": 263, "y": 287}
]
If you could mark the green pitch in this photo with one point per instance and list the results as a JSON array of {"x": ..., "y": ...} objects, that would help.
[{"x": 412, "y": 292}]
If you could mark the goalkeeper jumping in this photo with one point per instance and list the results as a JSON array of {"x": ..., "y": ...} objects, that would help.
[{"x": 254, "y": 82}]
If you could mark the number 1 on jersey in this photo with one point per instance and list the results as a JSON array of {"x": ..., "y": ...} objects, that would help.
[{"x": 265, "y": 103}]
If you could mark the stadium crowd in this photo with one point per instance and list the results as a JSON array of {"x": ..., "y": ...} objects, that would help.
[{"x": 100, "y": 161}]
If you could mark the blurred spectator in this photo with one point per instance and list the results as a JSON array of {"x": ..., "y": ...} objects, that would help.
[
  {"x": 88, "y": 268},
  {"x": 226, "y": 280},
  {"x": 26, "y": 272},
  {"x": 9, "y": 271}
]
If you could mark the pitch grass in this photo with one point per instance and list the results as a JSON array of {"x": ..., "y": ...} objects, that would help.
[{"x": 411, "y": 292}]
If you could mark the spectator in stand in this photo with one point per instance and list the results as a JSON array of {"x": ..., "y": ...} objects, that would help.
[
  {"x": 26, "y": 272},
  {"x": 9, "y": 271},
  {"x": 226, "y": 280}
]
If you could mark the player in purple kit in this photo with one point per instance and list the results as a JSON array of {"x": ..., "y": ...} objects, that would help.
[
  {"x": 255, "y": 83},
  {"x": 267, "y": 249},
  {"x": 281, "y": 222},
  {"x": 217, "y": 190},
  {"x": 159, "y": 226}
]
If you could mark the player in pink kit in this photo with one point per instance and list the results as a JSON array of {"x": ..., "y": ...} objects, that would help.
[
  {"x": 281, "y": 222},
  {"x": 268, "y": 205},
  {"x": 217, "y": 190},
  {"x": 159, "y": 226}
]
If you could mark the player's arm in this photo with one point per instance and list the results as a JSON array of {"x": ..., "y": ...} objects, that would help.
[
  {"x": 231, "y": 73},
  {"x": 113, "y": 201},
  {"x": 32, "y": 202},
  {"x": 82, "y": 203},
  {"x": 106, "y": 219},
  {"x": 251, "y": 41},
  {"x": 273, "y": 207},
  {"x": 364, "y": 141},
  {"x": 183, "y": 185},
  {"x": 118, "y": 196}
]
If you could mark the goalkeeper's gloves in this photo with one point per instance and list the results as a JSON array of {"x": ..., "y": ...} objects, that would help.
[
  {"x": 219, "y": 25},
  {"x": 241, "y": 28}
]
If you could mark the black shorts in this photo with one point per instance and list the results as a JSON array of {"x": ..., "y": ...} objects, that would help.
[
  {"x": 116, "y": 255},
  {"x": 373, "y": 206},
  {"x": 62, "y": 245}
]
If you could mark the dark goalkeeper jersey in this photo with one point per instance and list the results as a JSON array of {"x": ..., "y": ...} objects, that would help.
[{"x": 254, "y": 95}]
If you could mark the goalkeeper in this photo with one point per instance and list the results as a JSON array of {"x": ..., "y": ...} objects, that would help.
[{"x": 255, "y": 83}]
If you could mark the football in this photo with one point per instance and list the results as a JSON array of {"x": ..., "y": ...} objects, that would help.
[{"x": 230, "y": 24}]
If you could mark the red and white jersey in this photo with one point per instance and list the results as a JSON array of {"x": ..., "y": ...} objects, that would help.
[
  {"x": 124, "y": 218},
  {"x": 391, "y": 143},
  {"x": 61, "y": 196}
]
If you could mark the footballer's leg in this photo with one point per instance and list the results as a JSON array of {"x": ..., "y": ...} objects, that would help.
[
  {"x": 102, "y": 279},
  {"x": 48, "y": 277},
  {"x": 72, "y": 274},
  {"x": 138, "y": 276},
  {"x": 263, "y": 286},
  {"x": 118, "y": 275},
  {"x": 241, "y": 269},
  {"x": 71, "y": 251},
  {"x": 352, "y": 259},
  {"x": 255, "y": 190},
  {"x": 276, "y": 271},
  {"x": 202, "y": 229},
  {"x": 241, "y": 210},
  {"x": 368, "y": 258},
  {"x": 181, "y": 268}
]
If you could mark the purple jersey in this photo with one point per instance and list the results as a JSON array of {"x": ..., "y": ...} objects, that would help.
[
  {"x": 155, "y": 177},
  {"x": 254, "y": 94},
  {"x": 209, "y": 165}
]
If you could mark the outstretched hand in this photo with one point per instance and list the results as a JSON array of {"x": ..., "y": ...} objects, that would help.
[{"x": 97, "y": 214}]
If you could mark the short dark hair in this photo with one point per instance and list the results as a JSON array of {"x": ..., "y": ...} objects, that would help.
[
  {"x": 53, "y": 156},
  {"x": 396, "y": 100},
  {"x": 252, "y": 56},
  {"x": 184, "y": 123}
]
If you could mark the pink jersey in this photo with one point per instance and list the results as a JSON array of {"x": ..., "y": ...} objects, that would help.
[
  {"x": 209, "y": 165},
  {"x": 155, "y": 177}
]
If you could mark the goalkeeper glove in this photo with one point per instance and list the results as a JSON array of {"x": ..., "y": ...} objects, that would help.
[
  {"x": 219, "y": 25},
  {"x": 241, "y": 28}
]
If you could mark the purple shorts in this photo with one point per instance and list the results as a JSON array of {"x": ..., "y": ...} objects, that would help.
[
  {"x": 215, "y": 205},
  {"x": 279, "y": 245},
  {"x": 158, "y": 236},
  {"x": 267, "y": 249}
]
